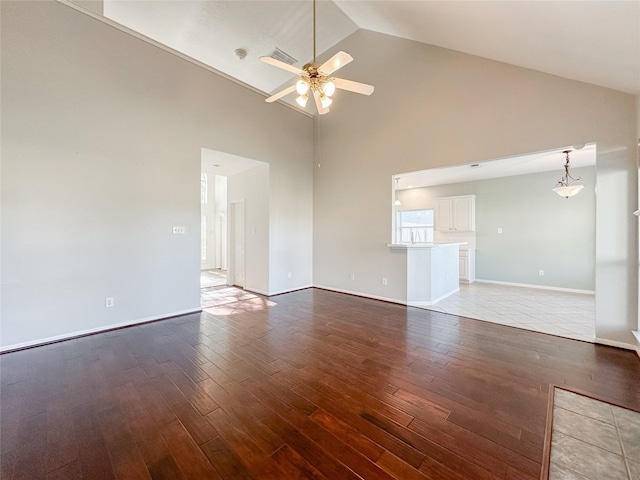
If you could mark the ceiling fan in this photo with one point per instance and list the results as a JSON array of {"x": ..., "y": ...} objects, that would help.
[{"x": 317, "y": 78}]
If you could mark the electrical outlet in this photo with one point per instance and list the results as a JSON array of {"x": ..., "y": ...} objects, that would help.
[
  {"x": 541, "y": 273},
  {"x": 289, "y": 275},
  {"x": 352, "y": 276},
  {"x": 108, "y": 302},
  {"x": 499, "y": 229},
  {"x": 384, "y": 281}
]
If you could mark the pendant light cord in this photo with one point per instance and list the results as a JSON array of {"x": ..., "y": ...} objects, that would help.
[{"x": 314, "y": 31}]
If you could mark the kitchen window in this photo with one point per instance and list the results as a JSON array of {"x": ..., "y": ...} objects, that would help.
[{"x": 415, "y": 226}]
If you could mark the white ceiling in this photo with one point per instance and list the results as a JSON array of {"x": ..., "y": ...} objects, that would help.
[
  {"x": 225, "y": 164},
  {"x": 553, "y": 160},
  {"x": 592, "y": 41}
]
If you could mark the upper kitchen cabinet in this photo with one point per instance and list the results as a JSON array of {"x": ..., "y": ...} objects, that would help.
[{"x": 456, "y": 214}]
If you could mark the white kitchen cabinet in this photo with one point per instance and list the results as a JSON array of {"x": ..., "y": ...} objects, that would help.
[
  {"x": 467, "y": 265},
  {"x": 456, "y": 214}
]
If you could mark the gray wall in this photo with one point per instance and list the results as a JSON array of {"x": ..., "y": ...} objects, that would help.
[
  {"x": 101, "y": 145},
  {"x": 540, "y": 230},
  {"x": 434, "y": 107}
]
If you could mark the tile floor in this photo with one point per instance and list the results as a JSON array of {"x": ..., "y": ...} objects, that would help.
[
  {"x": 593, "y": 440},
  {"x": 570, "y": 315},
  {"x": 213, "y": 278}
]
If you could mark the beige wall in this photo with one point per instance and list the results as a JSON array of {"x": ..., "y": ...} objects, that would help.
[
  {"x": 251, "y": 187},
  {"x": 101, "y": 139},
  {"x": 638, "y": 116},
  {"x": 436, "y": 107},
  {"x": 101, "y": 148}
]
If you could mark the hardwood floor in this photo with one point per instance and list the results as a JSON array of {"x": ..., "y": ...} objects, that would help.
[{"x": 311, "y": 384}]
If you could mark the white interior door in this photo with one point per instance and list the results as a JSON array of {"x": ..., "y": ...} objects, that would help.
[{"x": 237, "y": 244}]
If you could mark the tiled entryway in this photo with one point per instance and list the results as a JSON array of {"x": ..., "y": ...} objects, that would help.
[
  {"x": 570, "y": 315},
  {"x": 593, "y": 440},
  {"x": 213, "y": 278}
]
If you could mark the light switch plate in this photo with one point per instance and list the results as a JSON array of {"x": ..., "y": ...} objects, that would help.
[{"x": 179, "y": 230}]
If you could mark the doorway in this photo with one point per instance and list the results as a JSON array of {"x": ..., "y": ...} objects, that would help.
[
  {"x": 534, "y": 251},
  {"x": 213, "y": 229},
  {"x": 235, "y": 222}
]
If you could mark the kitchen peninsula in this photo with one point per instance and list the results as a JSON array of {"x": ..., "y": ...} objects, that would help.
[{"x": 432, "y": 271}]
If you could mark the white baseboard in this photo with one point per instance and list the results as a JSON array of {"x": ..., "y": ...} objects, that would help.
[
  {"x": 615, "y": 343},
  {"x": 430, "y": 304},
  {"x": 304, "y": 287},
  {"x": 253, "y": 290},
  {"x": 540, "y": 287},
  {"x": 360, "y": 294},
  {"x": 637, "y": 335},
  {"x": 82, "y": 333}
]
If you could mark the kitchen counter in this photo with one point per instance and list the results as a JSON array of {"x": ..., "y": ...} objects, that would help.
[{"x": 433, "y": 271}]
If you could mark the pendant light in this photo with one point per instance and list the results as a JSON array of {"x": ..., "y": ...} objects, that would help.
[
  {"x": 397, "y": 203},
  {"x": 568, "y": 186}
]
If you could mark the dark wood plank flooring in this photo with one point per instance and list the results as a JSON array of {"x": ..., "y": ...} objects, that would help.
[{"x": 308, "y": 385}]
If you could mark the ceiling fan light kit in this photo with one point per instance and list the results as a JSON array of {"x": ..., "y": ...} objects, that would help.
[
  {"x": 302, "y": 100},
  {"x": 316, "y": 77}
]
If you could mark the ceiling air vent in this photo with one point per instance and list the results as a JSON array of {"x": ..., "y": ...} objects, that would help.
[{"x": 282, "y": 56}]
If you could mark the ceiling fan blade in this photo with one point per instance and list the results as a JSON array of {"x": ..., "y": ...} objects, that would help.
[
  {"x": 339, "y": 60},
  {"x": 280, "y": 94},
  {"x": 351, "y": 86},
  {"x": 321, "y": 109},
  {"x": 282, "y": 65}
]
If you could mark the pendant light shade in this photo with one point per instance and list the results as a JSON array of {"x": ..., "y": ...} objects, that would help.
[{"x": 568, "y": 186}]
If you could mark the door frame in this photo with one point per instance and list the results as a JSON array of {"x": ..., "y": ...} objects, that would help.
[{"x": 231, "y": 250}]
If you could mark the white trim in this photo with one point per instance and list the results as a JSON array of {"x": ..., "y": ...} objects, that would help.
[
  {"x": 360, "y": 294},
  {"x": 430, "y": 304},
  {"x": 615, "y": 343},
  {"x": 637, "y": 335},
  {"x": 232, "y": 215},
  {"x": 251, "y": 289},
  {"x": 106, "y": 328},
  {"x": 290, "y": 290},
  {"x": 150, "y": 41},
  {"x": 540, "y": 287}
]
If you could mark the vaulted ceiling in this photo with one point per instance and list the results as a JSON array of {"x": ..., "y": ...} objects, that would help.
[{"x": 596, "y": 42}]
